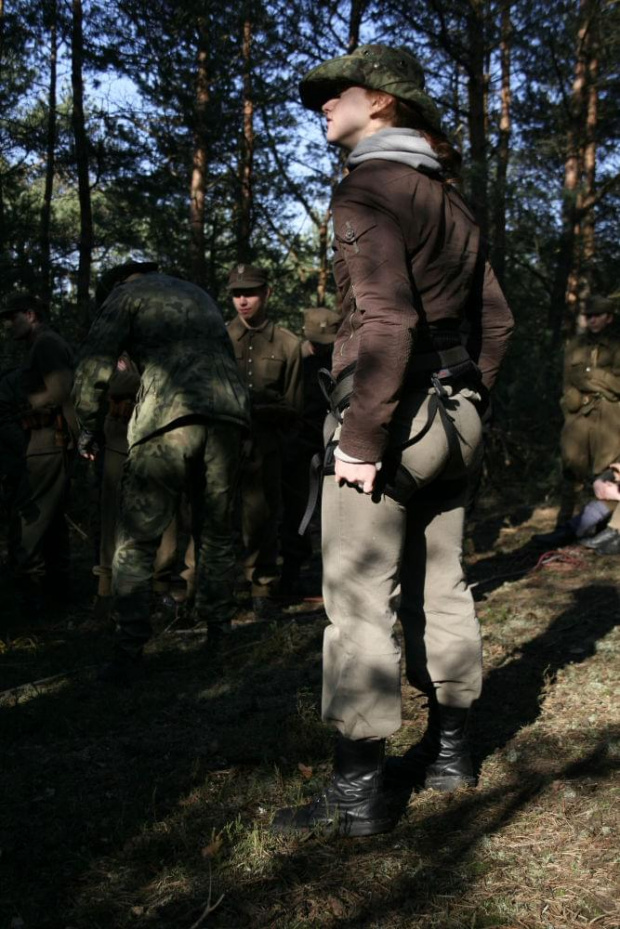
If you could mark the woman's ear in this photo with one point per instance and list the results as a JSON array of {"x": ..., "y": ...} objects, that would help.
[{"x": 383, "y": 106}]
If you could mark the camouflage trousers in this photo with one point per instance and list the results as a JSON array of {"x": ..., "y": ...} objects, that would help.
[{"x": 202, "y": 458}]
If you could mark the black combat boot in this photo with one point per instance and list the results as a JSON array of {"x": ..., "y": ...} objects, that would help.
[
  {"x": 354, "y": 803},
  {"x": 606, "y": 542},
  {"x": 441, "y": 759}
]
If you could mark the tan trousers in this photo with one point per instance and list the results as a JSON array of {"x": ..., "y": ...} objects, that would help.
[{"x": 384, "y": 560}]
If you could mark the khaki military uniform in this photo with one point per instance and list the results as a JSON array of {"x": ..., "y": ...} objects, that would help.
[
  {"x": 591, "y": 403},
  {"x": 191, "y": 413},
  {"x": 269, "y": 359},
  {"x": 38, "y": 533}
]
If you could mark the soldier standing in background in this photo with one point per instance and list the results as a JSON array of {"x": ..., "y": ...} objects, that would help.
[
  {"x": 591, "y": 403},
  {"x": 38, "y": 533},
  {"x": 186, "y": 430},
  {"x": 320, "y": 329},
  {"x": 269, "y": 359}
]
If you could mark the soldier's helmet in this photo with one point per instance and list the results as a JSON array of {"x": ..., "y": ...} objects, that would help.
[
  {"x": 119, "y": 273},
  {"x": 23, "y": 301},
  {"x": 247, "y": 277},
  {"x": 394, "y": 71},
  {"x": 597, "y": 305},
  {"x": 321, "y": 325}
]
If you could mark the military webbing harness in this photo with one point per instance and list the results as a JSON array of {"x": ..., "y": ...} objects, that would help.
[{"x": 432, "y": 369}]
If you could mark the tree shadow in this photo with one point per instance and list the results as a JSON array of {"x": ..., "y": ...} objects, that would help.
[{"x": 518, "y": 685}]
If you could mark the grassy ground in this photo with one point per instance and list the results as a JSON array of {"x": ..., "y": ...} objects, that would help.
[{"x": 149, "y": 806}]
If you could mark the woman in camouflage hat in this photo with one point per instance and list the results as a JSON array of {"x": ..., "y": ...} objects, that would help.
[{"x": 412, "y": 276}]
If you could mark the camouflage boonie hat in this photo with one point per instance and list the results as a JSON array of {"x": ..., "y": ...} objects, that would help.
[
  {"x": 22, "y": 302},
  {"x": 119, "y": 273},
  {"x": 247, "y": 277},
  {"x": 321, "y": 325},
  {"x": 597, "y": 306},
  {"x": 378, "y": 67}
]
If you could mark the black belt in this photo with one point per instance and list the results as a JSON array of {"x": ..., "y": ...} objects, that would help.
[{"x": 457, "y": 370}]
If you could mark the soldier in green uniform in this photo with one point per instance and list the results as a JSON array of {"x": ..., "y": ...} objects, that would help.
[
  {"x": 320, "y": 329},
  {"x": 186, "y": 430},
  {"x": 590, "y": 438},
  {"x": 122, "y": 389},
  {"x": 269, "y": 359},
  {"x": 38, "y": 533}
]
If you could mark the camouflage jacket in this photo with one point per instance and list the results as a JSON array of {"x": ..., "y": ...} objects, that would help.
[{"x": 175, "y": 334}]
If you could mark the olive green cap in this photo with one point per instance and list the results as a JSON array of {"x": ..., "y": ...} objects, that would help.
[
  {"x": 321, "y": 325},
  {"x": 247, "y": 277},
  {"x": 23, "y": 301},
  {"x": 597, "y": 306},
  {"x": 378, "y": 67}
]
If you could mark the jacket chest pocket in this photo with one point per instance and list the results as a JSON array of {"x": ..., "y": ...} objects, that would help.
[{"x": 270, "y": 370}]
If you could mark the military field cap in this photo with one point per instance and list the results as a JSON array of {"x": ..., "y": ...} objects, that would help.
[
  {"x": 247, "y": 277},
  {"x": 21, "y": 302},
  {"x": 321, "y": 325},
  {"x": 597, "y": 306},
  {"x": 119, "y": 273},
  {"x": 393, "y": 70}
]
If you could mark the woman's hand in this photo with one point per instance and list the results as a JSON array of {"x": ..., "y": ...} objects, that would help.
[
  {"x": 358, "y": 475},
  {"x": 606, "y": 490}
]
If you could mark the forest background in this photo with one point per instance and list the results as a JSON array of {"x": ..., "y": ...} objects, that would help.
[{"x": 174, "y": 131}]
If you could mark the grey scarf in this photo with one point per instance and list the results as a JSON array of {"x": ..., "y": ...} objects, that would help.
[{"x": 407, "y": 146}]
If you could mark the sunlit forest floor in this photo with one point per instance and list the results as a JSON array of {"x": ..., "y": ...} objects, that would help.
[{"x": 149, "y": 805}]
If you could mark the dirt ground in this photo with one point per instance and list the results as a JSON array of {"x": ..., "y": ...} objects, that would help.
[{"x": 149, "y": 805}]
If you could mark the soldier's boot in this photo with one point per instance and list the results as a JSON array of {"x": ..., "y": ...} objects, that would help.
[
  {"x": 606, "y": 542},
  {"x": 441, "y": 759},
  {"x": 354, "y": 803}
]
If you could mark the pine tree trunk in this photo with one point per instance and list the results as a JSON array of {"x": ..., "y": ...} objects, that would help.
[
  {"x": 477, "y": 83},
  {"x": 566, "y": 281},
  {"x": 589, "y": 157},
  {"x": 198, "y": 185},
  {"x": 46, "y": 209},
  {"x": 503, "y": 148},
  {"x": 81, "y": 157},
  {"x": 244, "y": 232},
  {"x": 2, "y": 226}
]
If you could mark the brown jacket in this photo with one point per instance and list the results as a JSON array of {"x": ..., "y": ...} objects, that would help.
[
  {"x": 408, "y": 255},
  {"x": 269, "y": 360}
]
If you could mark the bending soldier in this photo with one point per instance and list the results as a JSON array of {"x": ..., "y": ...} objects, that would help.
[{"x": 191, "y": 414}]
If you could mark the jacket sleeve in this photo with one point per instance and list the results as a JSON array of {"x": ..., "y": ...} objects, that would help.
[
  {"x": 491, "y": 323},
  {"x": 107, "y": 339},
  {"x": 372, "y": 243},
  {"x": 294, "y": 386}
]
